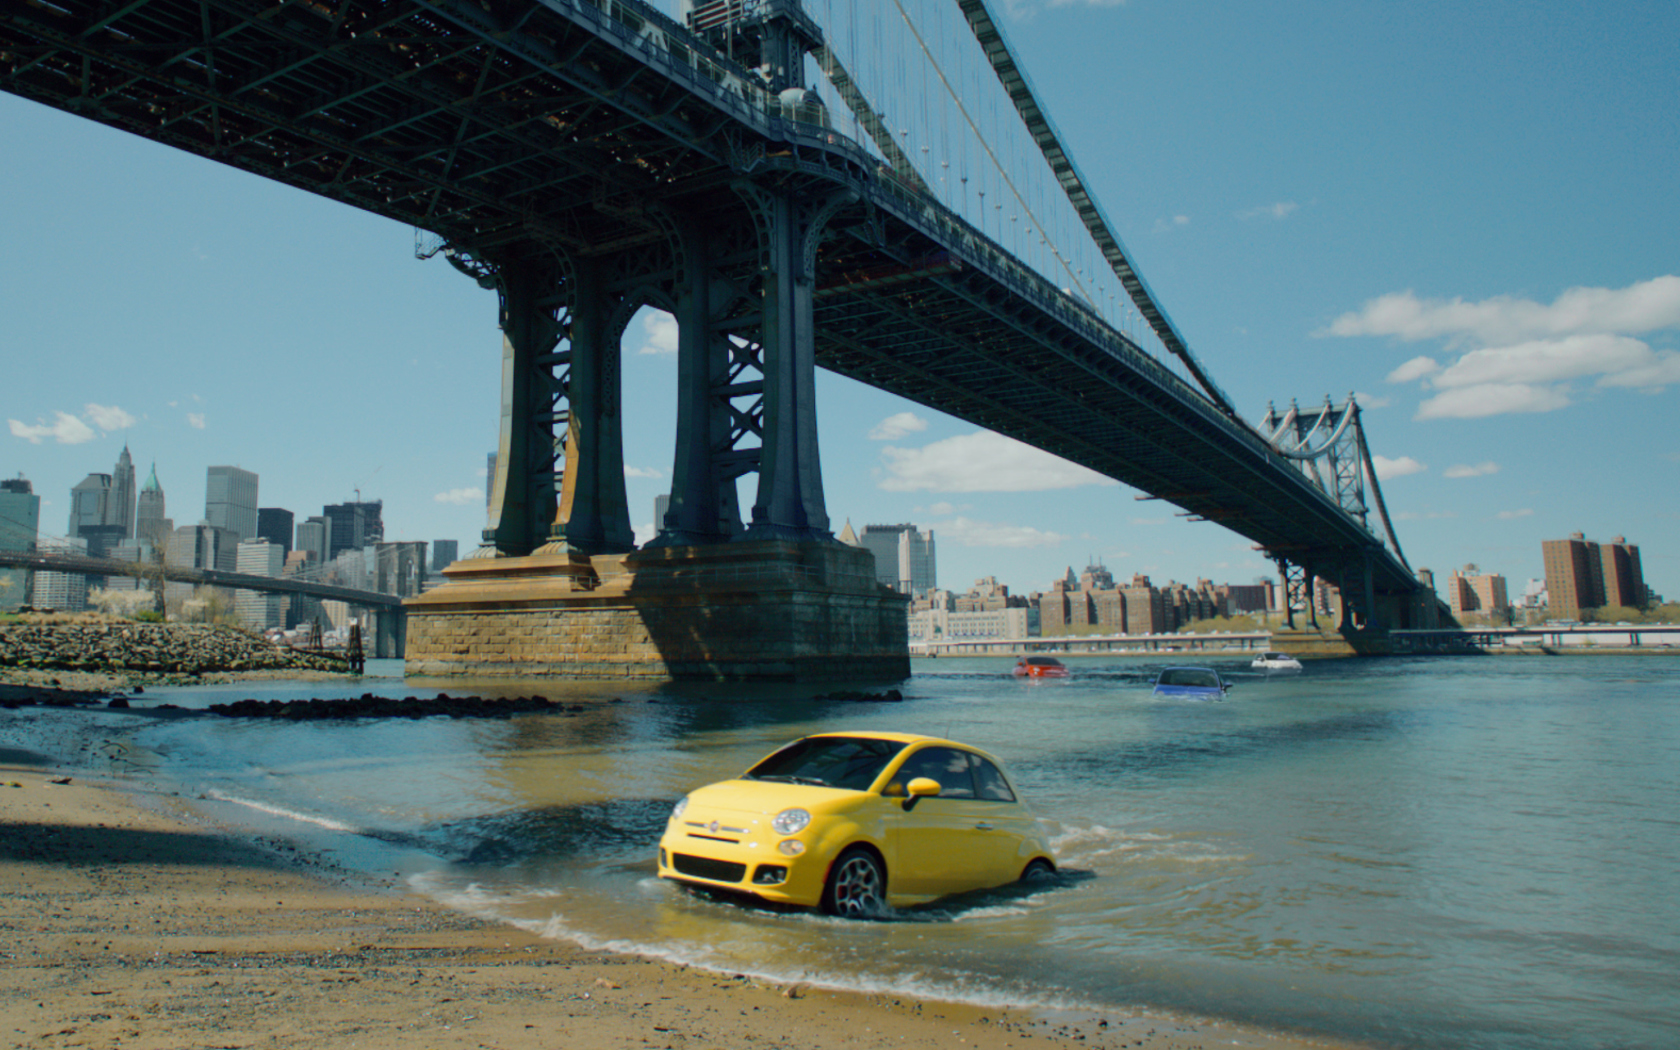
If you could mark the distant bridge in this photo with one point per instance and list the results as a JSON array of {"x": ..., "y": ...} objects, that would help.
[{"x": 81, "y": 565}]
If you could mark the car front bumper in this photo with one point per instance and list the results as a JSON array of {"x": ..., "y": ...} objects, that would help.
[{"x": 750, "y": 867}]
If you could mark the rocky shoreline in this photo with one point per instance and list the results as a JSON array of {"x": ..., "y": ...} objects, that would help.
[{"x": 103, "y": 656}]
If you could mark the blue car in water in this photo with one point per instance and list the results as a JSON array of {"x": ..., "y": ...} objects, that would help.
[{"x": 1190, "y": 683}]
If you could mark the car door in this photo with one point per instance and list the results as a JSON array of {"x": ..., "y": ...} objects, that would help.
[
  {"x": 949, "y": 842},
  {"x": 1009, "y": 824}
]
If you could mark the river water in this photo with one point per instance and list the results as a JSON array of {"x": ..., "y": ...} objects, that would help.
[{"x": 1450, "y": 851}]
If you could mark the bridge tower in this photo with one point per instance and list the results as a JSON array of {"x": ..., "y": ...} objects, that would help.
[
  {"x": 558, "y": 586},
  {"x": 1327, "y": 444}
]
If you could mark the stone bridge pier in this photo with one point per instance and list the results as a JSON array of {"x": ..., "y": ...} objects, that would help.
[{"x": 558, "y": 586}]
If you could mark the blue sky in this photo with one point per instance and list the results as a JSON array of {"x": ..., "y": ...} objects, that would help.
[{"x": 1466, "y": 213}]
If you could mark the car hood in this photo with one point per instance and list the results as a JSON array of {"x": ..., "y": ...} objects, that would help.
[{"x": 752, "y": 798}]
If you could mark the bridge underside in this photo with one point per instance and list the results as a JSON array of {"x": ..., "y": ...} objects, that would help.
[{"x": 583, "y": 168}]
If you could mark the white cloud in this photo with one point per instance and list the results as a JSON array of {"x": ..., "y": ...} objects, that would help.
[
  {"x": 461, "y": 497},
  {"x": 1517, "y": 353},
  {"x": 937, "y": 510},
  {"x": 966, "y": 533},
  {"x": 1493, "y": 399},
  {"x": 1371, "y": 400},
  {"x": 1396, "y": 468},
  {"x": 897, "y": 426},
  {"x": 1416, "y": 368},
  {"x": 660, "y": 332},
  {"x": 642, "y": 472},
  {"x": 1280, "y": 210},
  {"x": 980, "y": 462},
  {"x": 1643, "y": 307},
  {"x": 1660, "y": 369},
  {"x": 65, "y": 429},
  {"x": 109, "y": 418},
  {"x": 195, "y": 420},
  {"x": 1507, "y": 515},
  {"x": 1547, "y": 361},
  {"x": 1464, "y": 470},
  {"x": 1163, "y": 225}
]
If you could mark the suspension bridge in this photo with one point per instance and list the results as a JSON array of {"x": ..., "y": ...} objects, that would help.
[{"x": 872, "y": 189}]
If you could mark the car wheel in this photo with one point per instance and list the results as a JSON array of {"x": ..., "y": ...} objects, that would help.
[
  {"x": 1038, "y": 868},
  {"x": 857, "y": 886}
]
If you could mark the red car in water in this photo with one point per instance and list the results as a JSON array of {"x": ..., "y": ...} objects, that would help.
[{"x": 1040, "y": 667}]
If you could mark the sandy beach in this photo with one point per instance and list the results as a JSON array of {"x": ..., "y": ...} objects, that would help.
[{"x": 127, "y": 924}]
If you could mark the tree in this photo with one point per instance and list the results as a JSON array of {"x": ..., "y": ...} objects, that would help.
[{"x": 120, "y": 603}]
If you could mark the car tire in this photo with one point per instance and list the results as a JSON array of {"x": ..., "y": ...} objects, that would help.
[
  {"x": 1036, "y": 869},
  {"x": 856, "y": 887}
]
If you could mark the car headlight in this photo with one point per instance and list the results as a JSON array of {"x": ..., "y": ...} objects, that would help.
[
  {"x": 789, "y": 821},
  {"x": 677, "y": 810}
]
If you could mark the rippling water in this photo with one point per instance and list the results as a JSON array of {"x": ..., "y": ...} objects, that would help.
[{"x": 1469, "y": 852}]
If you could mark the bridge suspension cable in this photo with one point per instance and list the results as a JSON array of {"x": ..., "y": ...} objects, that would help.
[{"x": 1019, "y": 89}]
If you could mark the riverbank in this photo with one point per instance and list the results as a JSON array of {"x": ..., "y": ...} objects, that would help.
[
  {"x": 126, "y": 923},
  {"x": 123, "y": 653}
]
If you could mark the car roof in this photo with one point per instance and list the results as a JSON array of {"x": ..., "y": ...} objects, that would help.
[
  {"x": 885, "y": 734},
  {"x": 907, "y": 738}
]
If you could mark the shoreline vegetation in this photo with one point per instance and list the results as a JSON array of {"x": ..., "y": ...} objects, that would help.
[{"x": 127, "y": 921}]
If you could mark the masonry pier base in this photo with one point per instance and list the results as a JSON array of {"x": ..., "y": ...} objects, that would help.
[{"x": 768, "y": 610}]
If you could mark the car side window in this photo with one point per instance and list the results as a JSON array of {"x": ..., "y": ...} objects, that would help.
[
  {"x": 946, "y": 765},
  {"x": 988, "y": 779}
]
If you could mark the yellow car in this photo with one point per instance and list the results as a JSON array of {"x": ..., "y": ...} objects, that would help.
[{"x": 856, "y": 822}]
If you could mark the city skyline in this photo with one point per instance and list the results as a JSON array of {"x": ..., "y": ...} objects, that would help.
[{"x": 1324, "y": 199}]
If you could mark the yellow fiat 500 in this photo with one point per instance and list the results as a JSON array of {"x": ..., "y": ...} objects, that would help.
[{"x": 854, "y": 822}]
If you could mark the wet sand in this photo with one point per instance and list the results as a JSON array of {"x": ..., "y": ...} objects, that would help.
[{"x": 123, "y": 923}]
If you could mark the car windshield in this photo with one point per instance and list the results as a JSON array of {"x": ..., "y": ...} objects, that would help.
[
  {"x": 1044, "y": 661},
  {"x": 849, "y": 762},
  {"x": 1189, "y": 676}
]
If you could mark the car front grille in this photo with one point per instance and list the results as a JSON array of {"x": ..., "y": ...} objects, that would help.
[{"x": 707, "y": 868}]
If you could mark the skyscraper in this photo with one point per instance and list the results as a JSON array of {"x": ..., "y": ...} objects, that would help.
[
  {"x": 230, "y": 500},
  {"x": 1581, "y": 574},
  {"x": 20, "y": 524},
  {"x": 352, "y": 526},
  {"x": 904, "y": 557},
  {"x": 151, "y": 519},
  {"x": 90, "y": 503},
  {"x": 259, "y": 610},
  {"x": 61, "y": 591},
  {"x": 120, "y": 510},
  {"x": 1624, "y": 577},
  {"x": 313, "y": 537},
  {"x": 274, "y": 524},
  {"x": 444, "y": 553},
  {"x": 1471, "y": 590}
]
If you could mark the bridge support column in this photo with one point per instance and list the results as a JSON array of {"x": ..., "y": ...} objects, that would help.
[
  {"x": 710, "y": 379},
  {"x": 593, "y": 516},
  {"x": 790, "y": 501},
  {"x": 522, "y": 498}
]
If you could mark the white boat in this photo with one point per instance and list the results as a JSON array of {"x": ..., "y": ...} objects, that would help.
[{"x": 1276, "y": 663}]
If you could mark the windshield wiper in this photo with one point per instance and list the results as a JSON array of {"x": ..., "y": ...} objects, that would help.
[{"x": 786, "y": 778}]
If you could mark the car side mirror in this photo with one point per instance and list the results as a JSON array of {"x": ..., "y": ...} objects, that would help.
[{"x": 920, "y": 788}]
